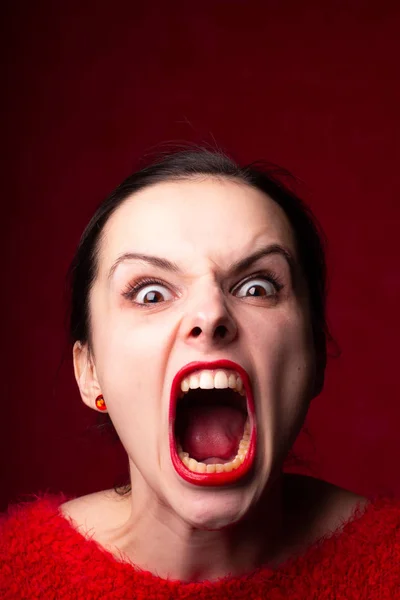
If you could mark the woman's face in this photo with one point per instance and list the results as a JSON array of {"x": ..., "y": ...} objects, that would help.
[{"x": 201, "y": 308}]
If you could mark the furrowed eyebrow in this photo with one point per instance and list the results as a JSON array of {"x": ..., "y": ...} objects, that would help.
[
  {"x": 236, "y": 268},
  {"x": 161, "y": 263},
  {"x": 245, "y": 263}
]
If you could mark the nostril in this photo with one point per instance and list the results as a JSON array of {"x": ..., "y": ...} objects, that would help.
[{"x": 221, "y": 331}]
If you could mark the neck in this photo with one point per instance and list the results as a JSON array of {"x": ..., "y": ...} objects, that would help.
[{"x": 175, "y": 550}]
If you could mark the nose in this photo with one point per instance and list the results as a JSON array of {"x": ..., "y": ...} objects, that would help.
[{"x": 208, "y": 323}]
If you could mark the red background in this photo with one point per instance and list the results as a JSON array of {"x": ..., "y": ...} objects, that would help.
[{"x": 313, "y": 86}]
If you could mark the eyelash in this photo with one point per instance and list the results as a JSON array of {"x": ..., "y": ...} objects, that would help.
[{"x": 134, "y": 288}]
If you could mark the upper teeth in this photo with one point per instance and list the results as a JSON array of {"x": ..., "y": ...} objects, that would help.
[{"x": 208, "y": 380}]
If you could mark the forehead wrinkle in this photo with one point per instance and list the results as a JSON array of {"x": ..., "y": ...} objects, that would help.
[
  {"x": 216, "y": 253},
  {"x": 234, "y": 268}
]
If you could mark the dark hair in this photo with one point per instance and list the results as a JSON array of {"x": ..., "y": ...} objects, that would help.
[{"x": 181, "y": 165}]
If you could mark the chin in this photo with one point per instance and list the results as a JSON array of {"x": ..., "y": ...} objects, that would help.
[{"x": 213, "y": 511}]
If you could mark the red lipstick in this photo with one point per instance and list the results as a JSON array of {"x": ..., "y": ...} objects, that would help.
[{"x": 212, "y": 479}]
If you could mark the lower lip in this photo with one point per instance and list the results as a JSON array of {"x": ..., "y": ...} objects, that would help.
[{"x": 213, "y": 479}]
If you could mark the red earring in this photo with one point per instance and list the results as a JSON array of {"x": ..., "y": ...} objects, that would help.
[{"x": 100, "y": 404}]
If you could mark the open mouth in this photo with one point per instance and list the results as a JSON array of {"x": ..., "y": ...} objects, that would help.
[{"x": 212, "y": 423}]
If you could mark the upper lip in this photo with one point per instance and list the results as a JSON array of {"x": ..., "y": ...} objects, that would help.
[
  {"x": 221, "y": 363},
  {"x": 207, "y": 365}
]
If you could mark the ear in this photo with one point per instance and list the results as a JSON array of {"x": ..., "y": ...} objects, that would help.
[{"x": 85, "y": 374}]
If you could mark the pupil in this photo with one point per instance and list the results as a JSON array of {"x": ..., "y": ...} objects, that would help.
[
  {"x": 152, "y": 297},
  {"x": 253, "y": 291}
]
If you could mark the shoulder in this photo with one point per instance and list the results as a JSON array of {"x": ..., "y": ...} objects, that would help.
[
  {"x": 31, "y": 514},
  {"x": 320, "y": 507},
  {"x": 29, "y": 532},
  {"x": 323, "y": 492},
  {"x": 97, "y": 512},
  {"x": 43, "y": 556}
]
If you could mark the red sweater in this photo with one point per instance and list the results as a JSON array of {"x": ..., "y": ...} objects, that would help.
[{"x": 43, "y": 556}]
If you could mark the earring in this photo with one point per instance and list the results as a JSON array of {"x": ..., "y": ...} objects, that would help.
[{"x": 100, "y": 404}]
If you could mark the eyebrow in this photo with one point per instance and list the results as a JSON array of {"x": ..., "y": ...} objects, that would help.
[{"x": 235, "y": 268}]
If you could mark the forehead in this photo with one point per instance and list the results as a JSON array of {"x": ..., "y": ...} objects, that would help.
[{"x": 195, "y": 221}]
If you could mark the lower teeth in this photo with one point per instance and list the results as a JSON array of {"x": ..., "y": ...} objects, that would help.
[{"x": 200, "y": 467}]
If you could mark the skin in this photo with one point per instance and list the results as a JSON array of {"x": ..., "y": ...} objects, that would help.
[{"x": 166, "y": 525}]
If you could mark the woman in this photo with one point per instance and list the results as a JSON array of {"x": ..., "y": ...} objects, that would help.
[{"x": 198, "y": 322}]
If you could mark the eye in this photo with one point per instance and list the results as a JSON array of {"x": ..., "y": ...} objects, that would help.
[
  {"x": 148, "y": 292},
  {"x": 153, "y": 294},
  {"x": 256, "y": 287}
]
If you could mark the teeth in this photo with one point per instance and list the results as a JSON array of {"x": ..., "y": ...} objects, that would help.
[
  {"x": 192, "y": 465},
  {"x": 236, "y": 462},
  {"x": 199, "y": 467},
  {"x": 185, "y": 385},
  {"x": 220, "y": 380},
  {"x": 232, "y": 381},
  {"x": 207, "y": 381},
  {"x": 194, "y": 382}
]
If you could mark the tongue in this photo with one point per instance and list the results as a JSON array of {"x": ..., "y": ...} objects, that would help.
[{"x": 213, "y": 431}]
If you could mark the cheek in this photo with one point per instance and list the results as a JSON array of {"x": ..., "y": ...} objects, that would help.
[
  {"x": 284, "y": 355},
  {"x": 130, "y": 361},
  {"x": 284, "y": 359}
]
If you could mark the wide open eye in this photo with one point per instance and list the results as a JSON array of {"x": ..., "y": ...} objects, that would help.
[
  {"x": 152, "y": 294},
  {"x": 148, "y": 292},
  {"x": 255, "y": 288}
]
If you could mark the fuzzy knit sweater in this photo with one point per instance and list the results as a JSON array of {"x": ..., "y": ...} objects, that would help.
[{"x": 42, "y": 556}]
